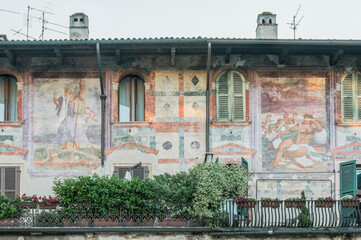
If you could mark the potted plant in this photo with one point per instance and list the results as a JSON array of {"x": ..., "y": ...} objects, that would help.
[
  {"x": 270, "y": 202},
  {"x": 35, "y": 201},
  {"x": 28, "y": 201},
  {"x": 294, "y": 202},
  {"x": 350, "y": 201},
  {"x": 245, "y": 202},
  {"x": 325, "y": 202}
]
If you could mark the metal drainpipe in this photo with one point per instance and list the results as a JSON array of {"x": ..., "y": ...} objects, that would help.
[
  {"x": 102, "y": 98},
  {"x": 208, "y": 94}
]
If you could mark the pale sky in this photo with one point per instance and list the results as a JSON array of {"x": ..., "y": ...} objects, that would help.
[{"x": 322, "y": 19}]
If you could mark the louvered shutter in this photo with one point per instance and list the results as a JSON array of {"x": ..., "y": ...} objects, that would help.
[
  {"x": 238, "y": 97},
  {"x": 358, "y": 96},
  {"x": 244, "y": 164},
  {"x": 348, "y": 178},
  {"x": 222, "y": 98},
  {"x": 347, "y": 99}
]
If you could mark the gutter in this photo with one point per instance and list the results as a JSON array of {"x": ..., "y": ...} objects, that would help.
[
  {"x": 208, "y": 94},
  {"x": 102, "y": 98}
]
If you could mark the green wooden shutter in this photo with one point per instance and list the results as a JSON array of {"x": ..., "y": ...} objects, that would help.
[
  {"x": 244, "y": 164},
  {"x": 348, "y": 178},
  {"x": 358, "y": 108},
  {"x": 238, "y": 97},
  {"x": 222, "y": 98},
  {"x": 347, "y": 99}
]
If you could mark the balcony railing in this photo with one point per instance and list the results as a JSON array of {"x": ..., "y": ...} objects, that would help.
[
  {"x": 299, "y": 213},
  {"x": 232, "y": 214}
]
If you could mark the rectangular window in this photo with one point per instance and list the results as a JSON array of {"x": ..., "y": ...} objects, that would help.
[
  {"x": 230, "y": 95},
  {"x": 8, "y": 99},
  {"x": 120, "y": 172},
  {"x": 10, "y": 181},
  {"x": 351, "y": 97}
]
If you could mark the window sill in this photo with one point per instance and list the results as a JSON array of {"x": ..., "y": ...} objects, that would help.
[
  {"x": 348, "y": 124},
  {"x": 226, "y": 123},
  {"x": 130, "y": 124},
  {"x": 11, "y": 124}
]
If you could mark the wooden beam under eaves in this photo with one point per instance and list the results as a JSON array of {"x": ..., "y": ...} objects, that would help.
[
  {"x": 59, "y": 56},
  {"x": 335, "y": 57},
  {"x": 172, "y": 59},
  {"x": 117, "y": 56},
  {"x": 228, "y": 55},
  {"x": 11, "y": 57},
  {"x": 283, "y": 56}
]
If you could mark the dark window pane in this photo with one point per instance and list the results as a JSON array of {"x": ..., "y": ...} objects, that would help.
[
  {"x": 358, "y": 179},
  {"x": 10, "y": 194},
  {"x": 9, "y": 178}
]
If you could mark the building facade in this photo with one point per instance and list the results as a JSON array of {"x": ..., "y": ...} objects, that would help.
[{"x": 290, "y": 108}]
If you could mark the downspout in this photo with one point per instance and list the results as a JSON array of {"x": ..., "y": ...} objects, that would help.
[
  {"x": 208, "y": 94},
  {"x": 102, "y": 98}
]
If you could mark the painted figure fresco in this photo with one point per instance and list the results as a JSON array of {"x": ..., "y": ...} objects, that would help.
[
  {"x": 293, "y": 121},
  {"x": 70, "y": 133},
  {"x": 67, "y": 131}
]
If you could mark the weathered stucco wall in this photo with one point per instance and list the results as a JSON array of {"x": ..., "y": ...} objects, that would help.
[{"x": 279, "y": 98}]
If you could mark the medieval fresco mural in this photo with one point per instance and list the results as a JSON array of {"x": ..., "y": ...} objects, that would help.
[
  {"x": 66, "y": 124},
  {"x": 293, "y": 124}
]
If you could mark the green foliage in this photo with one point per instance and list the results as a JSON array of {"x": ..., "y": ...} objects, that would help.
[
  {"x": 174, "y": 192},
  {"x": 304, "y": 216},
  {"x": 105, "y": 194},
  {"x": 177, "y": 188},
  {"x": 215, "y": 183},
  {"x": 46, "y": 219},
  {"x": 9, "y": 210}
]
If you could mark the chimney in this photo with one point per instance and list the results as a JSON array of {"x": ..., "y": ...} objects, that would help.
[
  {"x": 3, "y": 37},
  {"x": 78, "y": 26},
  {"x": 266, "y": 26}
]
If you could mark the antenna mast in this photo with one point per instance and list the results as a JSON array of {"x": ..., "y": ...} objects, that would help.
[{"x": 293, "y": 24}]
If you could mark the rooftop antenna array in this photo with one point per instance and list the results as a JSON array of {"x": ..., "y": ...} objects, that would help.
[
  {"x": 293, "y": 24},
  {"x": 43, "y": 22}
]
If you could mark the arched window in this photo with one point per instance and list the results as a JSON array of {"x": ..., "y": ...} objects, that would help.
[
  {"x": 131, "y": 99},
  {"x": 351, "y": 97},
  {"x": 230, "y": 94},
  {"x": 8, "y": 98},
  {"x": 270, "y": 21}
]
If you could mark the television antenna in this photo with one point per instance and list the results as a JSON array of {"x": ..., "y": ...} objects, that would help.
[
  {"x": 293, "y": 24},
  {"x": 4, "y": 10}
]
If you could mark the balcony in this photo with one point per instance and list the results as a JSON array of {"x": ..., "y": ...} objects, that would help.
[{"x": 232, "y": 218}]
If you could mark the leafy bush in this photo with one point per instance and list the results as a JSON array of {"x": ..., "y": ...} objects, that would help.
[
  {"x": 104, "y": 194},
  {"x": 215, "y": 183},
  {"x": 47, "y": 219},
  {"x": 9, "y": 210}
]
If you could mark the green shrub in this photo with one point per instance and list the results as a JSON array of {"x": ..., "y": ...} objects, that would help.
[
  {"x": 215, "y": 183},
  {"x": 8, "y": 208},
  {"x": 48, "y": 219},
  {"x": 104, "y": 194}
]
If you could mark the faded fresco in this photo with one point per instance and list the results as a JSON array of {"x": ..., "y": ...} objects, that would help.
[
  {"x": 283, "y": 189},
  {"x": 66, "y": 124},
  {"x": 293, "y": 124}
]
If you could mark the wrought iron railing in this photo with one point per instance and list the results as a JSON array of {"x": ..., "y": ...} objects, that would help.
[
  {"x": 232, "y": 214},
  {"x": 299, "y": 213},
  {"x": 88, "y": 215}
]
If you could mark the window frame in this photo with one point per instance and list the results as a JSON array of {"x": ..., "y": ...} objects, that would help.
[
  {"x": 133, "y": 104},
  {"x": 356, "y": 110},
  {"x": 231, "y": 95},
  {"x": 146, "y": 171},
  {"x": 8, "y": 78},
  {"x": 16, "y": 190}
]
